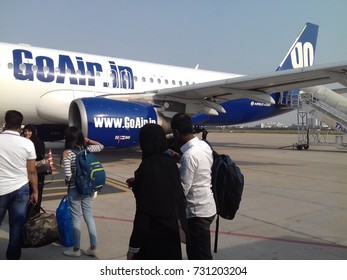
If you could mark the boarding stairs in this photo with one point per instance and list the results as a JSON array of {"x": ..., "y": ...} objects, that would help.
[
  {"x": 322, "y": 104},
  {"x": 325, "y": 113}
]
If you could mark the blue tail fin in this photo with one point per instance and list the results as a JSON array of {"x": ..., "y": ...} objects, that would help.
[{"x": 302, "y": 52}]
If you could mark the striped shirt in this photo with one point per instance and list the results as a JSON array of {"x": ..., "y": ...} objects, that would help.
[{"x": 69, "y": 162}]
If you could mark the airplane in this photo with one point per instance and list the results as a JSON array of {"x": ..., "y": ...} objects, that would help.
[{"x": 111, "y": 98}]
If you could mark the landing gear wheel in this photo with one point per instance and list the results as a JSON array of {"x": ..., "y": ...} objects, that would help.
[{"x": 306, "y": 147}]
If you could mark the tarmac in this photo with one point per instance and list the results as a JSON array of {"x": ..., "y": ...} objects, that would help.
[{"x": 293, "y": 206}]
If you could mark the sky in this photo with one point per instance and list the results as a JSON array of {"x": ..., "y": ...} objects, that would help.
[{"x": 244, "y": 37}]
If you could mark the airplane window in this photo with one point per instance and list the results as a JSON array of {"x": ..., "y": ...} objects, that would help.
[
  {"x": 45, "y": 69},
  {"x": 22, "y": 67},
  {"x": 98, "y": 74},
  {"x": 143, "y": 79},
  {"x": 135, "y": 78},
  {"x": 89, "y": 73},
  {"x": 166, "y": 82},
  {"x": 151, "y": 80},
  {"x": 187, "y": 83},
  {"x": 180, "y": 83},
  {"x": 126, "y": 77},
  {"x": 34, "y": 68},
  {"x": 67, "y": 71},
  {"x": 10, "y": 65},
  {"x": 173, "y": 82},
  {"x": 78, "y": 72},
  {"x": 57, "y": 70},
  {"x": 159, "y": 81}
]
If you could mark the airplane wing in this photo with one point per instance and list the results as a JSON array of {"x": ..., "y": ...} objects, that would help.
[
  {"x": 341, "y": 90},
  {"x": 258, "y": 87}
]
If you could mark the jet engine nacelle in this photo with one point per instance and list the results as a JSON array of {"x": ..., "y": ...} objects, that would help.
[{"x": 113, "y": 123}]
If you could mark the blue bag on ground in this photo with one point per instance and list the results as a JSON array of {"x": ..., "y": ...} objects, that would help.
[{"x": 64, "y": 221}]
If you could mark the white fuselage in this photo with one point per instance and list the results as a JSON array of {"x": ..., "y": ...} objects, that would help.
[{"x": 41, "y": 83}]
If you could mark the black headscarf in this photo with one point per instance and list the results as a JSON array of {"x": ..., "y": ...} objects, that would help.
[
  {"x": 38, "y": 143},
  {"x": 152, "y": 140}
]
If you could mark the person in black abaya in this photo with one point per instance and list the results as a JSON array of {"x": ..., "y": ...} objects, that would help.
[{"x": 159, "y": 224}]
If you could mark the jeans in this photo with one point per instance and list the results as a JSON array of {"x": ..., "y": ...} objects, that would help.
[
  {"x": 78, "y": 201},
  {"x": 199, "y": 246},
  {"x": 16, "y": 204}
]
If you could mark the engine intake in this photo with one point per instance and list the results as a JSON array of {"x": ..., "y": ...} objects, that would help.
[{"x": 113, "y": 123}]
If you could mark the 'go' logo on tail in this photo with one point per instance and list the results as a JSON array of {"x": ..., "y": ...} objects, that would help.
[{"x": 302, "y": 55}]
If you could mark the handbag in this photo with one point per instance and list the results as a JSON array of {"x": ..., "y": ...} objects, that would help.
[
  {"x": 64, "y": 221},
  {"x": 40, "y": 229},
  {"x": 43, "y": 167}
]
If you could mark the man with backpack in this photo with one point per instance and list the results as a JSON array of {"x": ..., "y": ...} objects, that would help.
[{"x": 195, "y": 170}]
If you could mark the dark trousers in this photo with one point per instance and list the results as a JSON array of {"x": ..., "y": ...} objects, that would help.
[
  {"x": 199, "y": 246},
  {"x": 33, "y": 209},
  {"x": 41, "y": 184}
]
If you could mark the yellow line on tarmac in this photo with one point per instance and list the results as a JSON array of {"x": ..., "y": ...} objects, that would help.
[
  {"x": 120, "y": 183},
  {"x": 57, "y": 188},
  {"x": 54, "y": 180},
  {"x": 117, "y": 184},
  {"x": 54, "y": 194},
  {"x": 109, "y": 181}
]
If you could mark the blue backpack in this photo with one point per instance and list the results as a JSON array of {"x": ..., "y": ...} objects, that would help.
[{"x": 90, "y": 174}]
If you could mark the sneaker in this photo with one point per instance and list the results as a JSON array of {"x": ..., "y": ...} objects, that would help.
[
  {"x": 72, "y": 253},
  {"x": 91, "y": 252}
]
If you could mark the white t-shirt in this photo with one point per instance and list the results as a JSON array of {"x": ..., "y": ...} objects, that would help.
[
  {"x": 196, "y": 163},
  {"x": 14, "y": 153}
]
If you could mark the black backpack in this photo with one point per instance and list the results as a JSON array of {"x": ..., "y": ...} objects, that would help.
[
  {"x": 227, "y": 188},
  {"x": 227, "y": 185}
]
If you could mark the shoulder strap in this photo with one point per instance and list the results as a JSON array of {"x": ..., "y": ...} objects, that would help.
[
  {"x": 208, "y": 143},
  {"x": 79, "y": 149},
  {"x": 214, "y": 153},
  {"x": 216, "y": 234}
]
